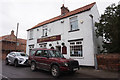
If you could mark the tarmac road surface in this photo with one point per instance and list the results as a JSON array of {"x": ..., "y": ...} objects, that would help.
[{"x": 9, "y": 72}]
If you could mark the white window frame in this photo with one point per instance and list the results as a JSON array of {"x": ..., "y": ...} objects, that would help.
[
  {"x": 31, "y": 34},
  {"x": 73, "y": 20},
  {"x": 73, "y": 45},
  {"x": 44, "y": 31},
  {"x": 31, "y": 47}
]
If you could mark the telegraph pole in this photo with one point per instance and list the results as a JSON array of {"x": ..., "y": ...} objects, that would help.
[{"x": 16, "y": 36}]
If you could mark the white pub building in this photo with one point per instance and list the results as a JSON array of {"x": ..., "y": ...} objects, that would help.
[{"x": 72, "y": 33}]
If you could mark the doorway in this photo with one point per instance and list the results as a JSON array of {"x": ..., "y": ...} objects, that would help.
[{"x": 58, "y": 48}]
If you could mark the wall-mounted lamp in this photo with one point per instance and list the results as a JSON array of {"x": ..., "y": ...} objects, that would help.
[
  {"x": 91, "y": 15},
  {"x": 62, "y": 21},
  {"x": 50, "y": 44},
  {"x": 81, "y": 21},
  {"x": 63, "y": 43},
  {"x": 57, "y": 42}
]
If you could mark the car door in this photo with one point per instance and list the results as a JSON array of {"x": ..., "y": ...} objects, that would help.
[
  {"x": 10, "y": 57},
  {"x": 38, "y": 58},
  {"x": 45, "y": 60}
]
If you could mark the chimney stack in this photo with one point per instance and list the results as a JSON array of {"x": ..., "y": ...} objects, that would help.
[
  {"x": 12, "y": 32},
  {"x": 64, "y": 10}
]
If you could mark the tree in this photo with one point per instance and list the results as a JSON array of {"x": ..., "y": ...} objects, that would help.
[{"x": 109, "y": 28}]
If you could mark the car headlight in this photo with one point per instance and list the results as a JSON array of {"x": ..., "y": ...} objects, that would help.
[
  {"x": 21, "y": 59},
  {"x": 65, "y": 64}
]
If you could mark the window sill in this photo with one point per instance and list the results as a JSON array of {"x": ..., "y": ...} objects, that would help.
[
  {"x": 43, "y": 36},
  {"x": 31, "y": 39},
  {"x": 76, "y": 57},
  {"x": 74, "y": 30}
]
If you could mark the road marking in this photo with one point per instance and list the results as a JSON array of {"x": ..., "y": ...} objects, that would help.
[{"x": 3, "y": 76}]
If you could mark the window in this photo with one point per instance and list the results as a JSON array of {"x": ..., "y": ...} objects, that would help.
[
  {"x": 43, "y": 45},
  {"x": 32, "y": 53},
  {"x": 42, "y": 53},
  {"x": 73, "y": 23},
  {"x": 39, "y": 53},
  {"x": 31, "y": 34},
  {"x": 11, "y": 53},
  {"x": 76, "y": 49},
  {"x": 44, "y": 32},
  {"x": 31, "y": 47},
  {"x": 45, "y": 53}
]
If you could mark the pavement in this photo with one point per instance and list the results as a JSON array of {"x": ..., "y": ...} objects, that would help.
[{"x": 99, "y": 73}]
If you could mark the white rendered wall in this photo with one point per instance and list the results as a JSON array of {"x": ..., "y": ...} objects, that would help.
[{"x": 85, "y": 33}]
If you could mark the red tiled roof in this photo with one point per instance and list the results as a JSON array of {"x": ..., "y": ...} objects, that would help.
[
  {"x": 2, "y": 37},
  {"x": 87, "y": 7}
]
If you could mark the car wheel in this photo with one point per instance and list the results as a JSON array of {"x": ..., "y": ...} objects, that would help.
[
  {"x": 6, "y": 62},
  {"x": 55, "y": 71},
  {"x": 16, "y": 63},
  {"x": 33, "y": 66}
]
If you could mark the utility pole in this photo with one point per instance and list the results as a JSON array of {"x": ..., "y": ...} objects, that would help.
[{"x": 16, "y": 36}]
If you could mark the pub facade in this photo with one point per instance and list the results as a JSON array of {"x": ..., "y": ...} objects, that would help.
[{"x": 72, "y": 33}]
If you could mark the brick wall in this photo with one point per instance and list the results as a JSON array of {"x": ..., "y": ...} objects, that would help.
[
  {"x": 109, "y": 62},
  {"x": 4, "y": 54},
  {"x": 8, "y": 44},
  {"x": 8, "y": 47}
]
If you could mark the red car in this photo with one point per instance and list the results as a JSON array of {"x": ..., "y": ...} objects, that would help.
[{"x": 51, "y": 60}]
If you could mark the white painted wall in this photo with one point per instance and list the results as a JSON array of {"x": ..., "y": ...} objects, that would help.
[{"x": 85, "y": 32}]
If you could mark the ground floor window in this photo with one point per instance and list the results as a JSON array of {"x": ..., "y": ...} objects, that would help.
[
  {"x": 76, "y": 49},
  {"x": 31, "y": 47},
  {"x": 43, "y": 45}
]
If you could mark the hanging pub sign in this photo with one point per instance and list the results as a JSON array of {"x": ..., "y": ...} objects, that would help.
[{"x": 47, "y": 39}]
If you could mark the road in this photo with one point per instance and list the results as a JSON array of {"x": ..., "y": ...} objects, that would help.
[{"x": 9, "y": 71}]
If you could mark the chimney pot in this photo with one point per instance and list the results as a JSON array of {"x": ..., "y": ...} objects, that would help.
[
  {"x": 64, "y": 10},
  {"x": 12, "y": 32}
]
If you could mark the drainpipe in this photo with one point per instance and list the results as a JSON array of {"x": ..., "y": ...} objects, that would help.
[{"x": 95, "y": 58}]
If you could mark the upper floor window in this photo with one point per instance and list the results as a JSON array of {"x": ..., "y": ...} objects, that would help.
[
  {"x": 44, "y": 30},
  {"x": 31, "y": 34},
  {"x": 73, "y": 23}
]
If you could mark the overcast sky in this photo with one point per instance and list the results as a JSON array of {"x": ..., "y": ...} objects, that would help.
[{"x": 31, "y": 12}]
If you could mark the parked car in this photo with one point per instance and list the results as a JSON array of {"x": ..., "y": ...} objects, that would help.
[
  {"x": 51, "y": 60},
  {"x": 17, "y": 58}
]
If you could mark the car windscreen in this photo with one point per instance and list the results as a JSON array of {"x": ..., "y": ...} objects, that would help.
[{"x": 55, "y": 53}]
